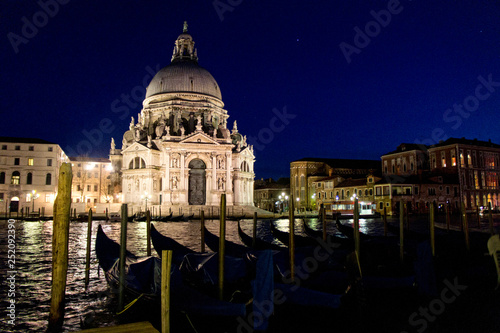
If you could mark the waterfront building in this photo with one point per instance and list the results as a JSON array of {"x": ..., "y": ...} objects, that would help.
[
  {"x": 272, "y": 196},
  {"x": 180, "y": 151},
  {"x": 29, "y": 172},
  {"x": 476, "y": 166},
  {"x": 92, "y": 186},
  {"x": 306, "y": 171}
]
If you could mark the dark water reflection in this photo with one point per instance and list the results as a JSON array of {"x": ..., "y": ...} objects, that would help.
[{"x": 33, "y": 265}]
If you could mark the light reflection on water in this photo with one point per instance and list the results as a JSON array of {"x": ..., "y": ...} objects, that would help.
[{"x": 34, "y": 268}]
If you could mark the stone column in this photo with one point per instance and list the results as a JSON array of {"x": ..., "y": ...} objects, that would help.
[
  {"x": 183, "y": 178},
  {"x": 167, "y": 171},
  {"x": 214, "y": 171}
]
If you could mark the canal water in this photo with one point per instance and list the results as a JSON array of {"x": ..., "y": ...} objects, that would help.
[{"x": 32, "y": 268}]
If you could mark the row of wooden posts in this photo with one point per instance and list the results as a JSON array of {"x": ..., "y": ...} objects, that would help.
[{"x": 60, "y": 239}]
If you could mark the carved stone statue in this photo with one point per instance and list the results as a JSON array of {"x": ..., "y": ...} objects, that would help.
[
  {"x": 131, "y": 126},
  {"x": 113, "y": 145},
  {"x": 199, "y": 125},
  {"x": 174, "y": 183},
  {"x": 182, "y": 130}
]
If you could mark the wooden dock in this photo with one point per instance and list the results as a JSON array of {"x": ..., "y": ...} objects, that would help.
[{"x": 141, "y": 327}]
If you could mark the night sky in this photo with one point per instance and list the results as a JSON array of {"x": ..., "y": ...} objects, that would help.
[{"x": 297, "y": 75}]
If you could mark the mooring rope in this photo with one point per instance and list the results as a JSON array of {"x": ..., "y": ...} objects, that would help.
[{"x": 129, "y": 305}]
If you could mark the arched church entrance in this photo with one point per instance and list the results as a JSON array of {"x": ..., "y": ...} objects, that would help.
[{"x": 197, "y": 182}]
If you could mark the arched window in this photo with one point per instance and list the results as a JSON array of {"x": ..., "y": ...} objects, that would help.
[
  {"x": 16, "y": 178},
  {"x": 48, "y": 179},
  {"x": 302, "y": 181},
  {"x": 244, "y": 166},
  {"x": 137, "y": 163},
  {"x": 2, "y": 177},
  {"x": 29, "y": 178}
]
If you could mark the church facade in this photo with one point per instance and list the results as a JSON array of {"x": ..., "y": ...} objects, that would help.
[{"x": 180, "y": 151}]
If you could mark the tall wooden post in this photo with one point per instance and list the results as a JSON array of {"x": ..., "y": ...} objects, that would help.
[
  {"x": 490, "y": 219},
  {"x": 222, "y": 243},
  {"x": 148, "y": 233},
  {"x": 87, "y": 257},
  {"x": 465, "y": 227},
  {"x": 401, "y": 230},
  {"x": 291, "y": 243},
  {"x": 166, "y": 265},
  {"x": 385, "y": 221},
  {"x": 254, "y": 230},
  {"x": 323, "y": 219},
  {"x": 432, "y": 230},
  {"x": 202, "y": 227},
  {"x": 60, "y": 239},
  {"x": 123, "y": 249},
  {"x": 356, "y": 228},
  {"x": 447, "y": 216},
  {"x": 478, "y": 217}
]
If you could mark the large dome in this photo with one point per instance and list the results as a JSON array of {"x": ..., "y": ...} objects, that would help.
[{"x": 184, "y": 76}]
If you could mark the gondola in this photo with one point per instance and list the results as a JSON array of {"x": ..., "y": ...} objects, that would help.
[
  {"x": 259, "y": 243},
  {"x": 164, "y": 218},
  {"x": 177, "y": 218},
  {"x": 343, "y": 242},
  {"x": 231, "y": 248},
  {"x": 143, "y": 278},
  {"x": 284, "y": 237},
  {"x": 161, "y": 242}
]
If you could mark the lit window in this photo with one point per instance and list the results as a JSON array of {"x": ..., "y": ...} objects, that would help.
[
  {"x": 16, "y": 178},
  {"x": 30, "y": 161}
]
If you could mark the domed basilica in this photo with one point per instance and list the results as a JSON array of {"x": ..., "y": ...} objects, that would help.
[{"x": 180, "y": 151}]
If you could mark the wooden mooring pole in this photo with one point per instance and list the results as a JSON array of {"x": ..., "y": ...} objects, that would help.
[
  {"x": 490, "y": 219},
  {"x": 465, "y": 227},
  {"x": 60, "y": 239},
  {"x": 323, "y": 219},
  {"x": 401, "y": 230},
  {"x": 87, "y": 257},
  {"x": 202, "y": 227},
  {"x": 166, "y": 265},
  {"x": 123, "y": 250},
  {"x": 291, "y": 233},
  {"x": 357, "y": 242},
  {"x": 254, "y": 230},
  {"x": 222, "y": 243},
  {"x": 432, "y": 230},
  {"x": 385, "y": 221},
  {"x": 148, "y": 233}
]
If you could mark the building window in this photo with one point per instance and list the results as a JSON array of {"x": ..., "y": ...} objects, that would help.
[
  {"x": 95, "y": 188},
  {"x": 2, "y": 177},
  {"x": 453, "y": 158},
  {"x": 95, "y": 200},
  {"x": 469, "y": 158},
  {"x": 18, "y": 147},
  {"x": 29, "y": 178},
  {"x": 31, "y": 148},
  {"x": 16, "y": 161},
  {"x": 30, "y": 161},
  {"x": 431, "y": 191},
  {"x": 447, "y": 190},
  {"x": 443, "y": 159},
  {"x": 88, "y": 188},
  {"x": 4, "y": 147},
  {"x": 96, "y": 175},
  {"x": 78, "y": 188},
  {"x": 49, "y": 162},
  {"x": 78, "y": 174},
  {"x": 462, "y": 160},
  {"x": 415, "y": 190},
  {"x": 48, "y": 179},
  {"x": 1, "y": 197},
  {"x": 16, "y": 178},
  {"x": 28, "y": 197},
  {"x": 50, "y": 149}
]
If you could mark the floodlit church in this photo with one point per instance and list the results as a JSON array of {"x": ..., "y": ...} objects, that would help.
[{"x": 179, "y": 151}]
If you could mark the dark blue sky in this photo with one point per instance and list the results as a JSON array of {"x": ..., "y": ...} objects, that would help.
[{"x": 68, "y": 77}]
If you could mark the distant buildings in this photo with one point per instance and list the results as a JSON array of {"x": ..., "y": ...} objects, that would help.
[
  {"x": 271, "y": 195},
  {"x": 445, "y": 174},
  {"x": 92, "y": 184},
  {"x": 29, "y": 171},
  {"x": 306, "y": 171}
]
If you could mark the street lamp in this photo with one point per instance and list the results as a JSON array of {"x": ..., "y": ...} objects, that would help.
[
  {"x": 298, "y": 199},
  {"x": 34, "y": 196},
  {"x": 146, "y": 197},
  {"x": 283, "y": 198}
]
